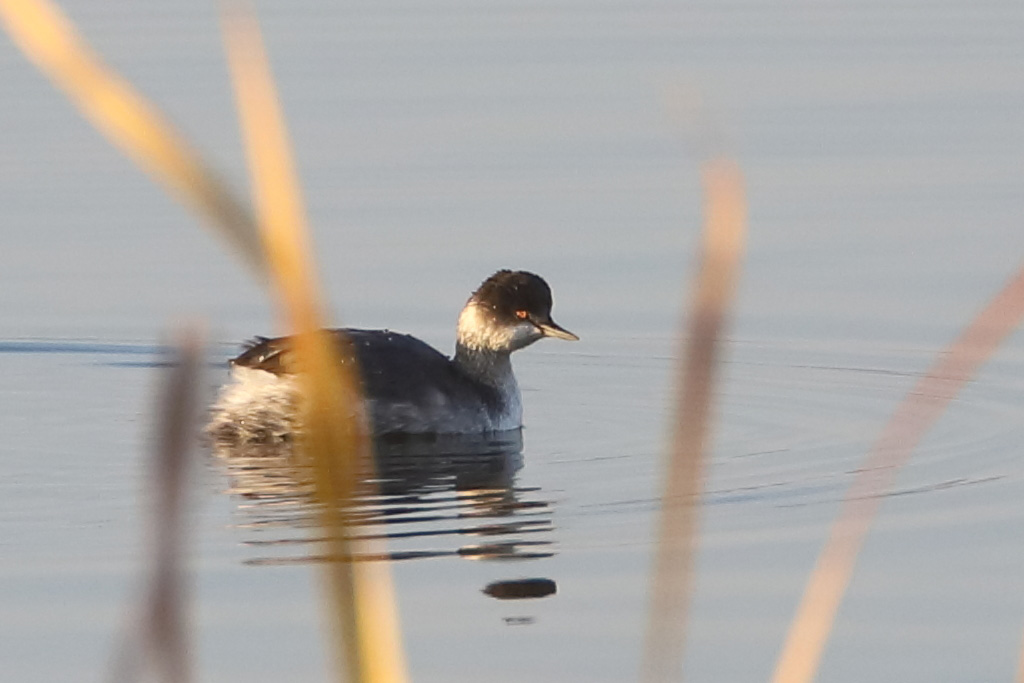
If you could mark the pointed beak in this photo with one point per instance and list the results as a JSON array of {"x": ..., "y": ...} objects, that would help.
[{"x": 552, "y": 329}]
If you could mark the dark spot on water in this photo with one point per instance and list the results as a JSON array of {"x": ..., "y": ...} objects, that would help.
[{"x": 521, "y": 589}]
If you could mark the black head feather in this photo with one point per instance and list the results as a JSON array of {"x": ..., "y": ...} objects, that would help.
[{"x": 509, "y": 291}]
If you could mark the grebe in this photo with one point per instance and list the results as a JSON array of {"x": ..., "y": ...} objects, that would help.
[{"x": 409, "y": 387}]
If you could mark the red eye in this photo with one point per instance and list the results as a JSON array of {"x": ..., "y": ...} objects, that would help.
[{"x": 521, "y": 315}]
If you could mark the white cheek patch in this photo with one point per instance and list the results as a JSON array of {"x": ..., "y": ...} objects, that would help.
[
  {"x": 474, "y": 328},
  {"x": 522, "y": 335},
  {"x": 478, "y": 331}
]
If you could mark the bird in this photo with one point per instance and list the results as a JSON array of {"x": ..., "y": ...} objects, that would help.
[{"x": 408, "y": 386}]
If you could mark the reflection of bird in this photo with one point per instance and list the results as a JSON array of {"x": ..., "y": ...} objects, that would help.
[
  {"x": 433, "y": 496},
  {"x": 409, "y": 386}
]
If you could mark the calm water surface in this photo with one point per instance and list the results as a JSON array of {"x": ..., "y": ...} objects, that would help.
[{"x": 883, "y": 152}]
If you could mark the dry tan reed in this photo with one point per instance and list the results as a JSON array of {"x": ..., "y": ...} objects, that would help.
[
  {"x": 131, "y": 123},
  {"x": 721, "y": 252},
  {"x": 1020, "y": 664},
  {"x": 334, "y": 440},
  {"x": 925, "y": 403},
  {"x": 362, "y": 594}
]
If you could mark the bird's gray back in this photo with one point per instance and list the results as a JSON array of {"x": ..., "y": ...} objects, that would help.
[{"x": 408, "y": 385}]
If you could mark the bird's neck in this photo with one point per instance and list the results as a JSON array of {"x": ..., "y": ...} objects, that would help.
[
  {"x": 482, "y": 349},
  {"x": 484, "y": 365}
]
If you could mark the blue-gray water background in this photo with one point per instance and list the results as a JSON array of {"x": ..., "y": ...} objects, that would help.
[{"x": 884, "y": 154}]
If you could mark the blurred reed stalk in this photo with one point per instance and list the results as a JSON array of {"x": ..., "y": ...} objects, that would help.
[
  {"x": 921, "y": 408},
  {"x": 333, "y": 441},
  {"x": 1020, "y": 665},
  {"x": 671, "y": 585},
  {"x": 362, "y": 600},
  {"x": 162, "y": 639},
  {"x": 136, "y": 127}
]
